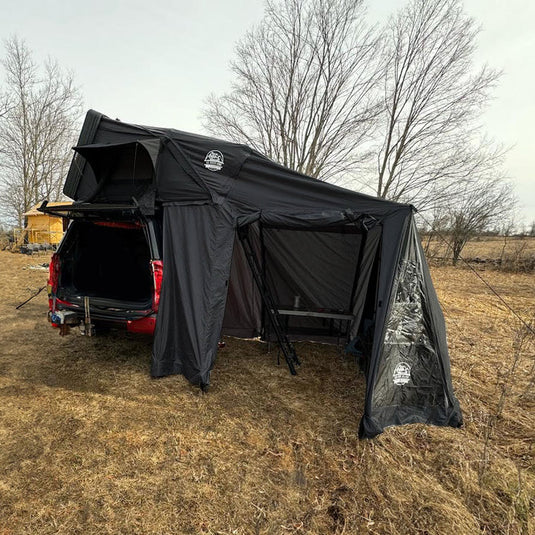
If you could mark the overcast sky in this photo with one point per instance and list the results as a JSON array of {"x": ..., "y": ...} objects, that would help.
[{"x": 155, "y": 62}]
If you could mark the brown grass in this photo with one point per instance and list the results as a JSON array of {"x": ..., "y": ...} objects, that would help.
[{"x": 89, "y": 444}]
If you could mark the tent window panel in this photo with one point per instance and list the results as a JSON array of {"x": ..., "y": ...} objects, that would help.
[
  {"x": 410, "y": 372},
  {"x": 127, "y": 176},
  {"x": 121, "y": 172},
  {"x": 318, "y": 267}
]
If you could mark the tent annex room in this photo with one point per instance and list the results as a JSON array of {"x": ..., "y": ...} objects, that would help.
[{"x": 251, "y": 248}]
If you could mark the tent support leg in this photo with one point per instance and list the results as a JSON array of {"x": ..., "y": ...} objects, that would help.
[{"x": 269, "y": 303}]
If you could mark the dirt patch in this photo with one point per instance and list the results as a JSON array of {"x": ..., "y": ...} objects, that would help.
[{"x": 90, "y": 444}]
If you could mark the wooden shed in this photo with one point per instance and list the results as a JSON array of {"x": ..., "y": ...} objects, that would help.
[{"x": 44, "y": 228}]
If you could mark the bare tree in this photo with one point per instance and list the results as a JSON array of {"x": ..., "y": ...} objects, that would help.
[
  {"x": 36, "y": 131},
  {"x": 4, "y": 105},
  {"x": 433, "y": 98},
  {"x": 304, "y": 87},
  {"x": 318, "y": 91},
  {"x": 477, "y": 206}
]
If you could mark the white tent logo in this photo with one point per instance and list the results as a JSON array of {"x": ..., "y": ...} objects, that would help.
[
  {"x": 214, "y": 161},
  {"x": 402, "y": 374}
]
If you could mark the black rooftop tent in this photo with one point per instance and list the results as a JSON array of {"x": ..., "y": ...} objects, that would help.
[{"x": 333, "y": 248}]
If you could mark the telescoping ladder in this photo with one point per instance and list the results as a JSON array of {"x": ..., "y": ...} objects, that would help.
[{"x": 286, "y": 346}]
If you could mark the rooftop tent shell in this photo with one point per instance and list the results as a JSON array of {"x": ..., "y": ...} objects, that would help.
[{"x": 336, "y": 248}]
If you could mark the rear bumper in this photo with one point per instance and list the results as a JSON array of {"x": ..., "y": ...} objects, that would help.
[{"x": 136, "y": 321}]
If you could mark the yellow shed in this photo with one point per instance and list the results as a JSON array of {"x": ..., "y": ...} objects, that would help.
[{"x": 43, "y": 228}]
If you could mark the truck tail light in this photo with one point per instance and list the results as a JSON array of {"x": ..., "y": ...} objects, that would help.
[
  {"x": 54, "y": 269},
  {"x": 157, "y": 272}
]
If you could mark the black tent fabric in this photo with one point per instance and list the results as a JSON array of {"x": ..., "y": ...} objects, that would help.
[{"x": 332, "y": 248}]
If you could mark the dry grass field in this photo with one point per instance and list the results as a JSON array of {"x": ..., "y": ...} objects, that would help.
[
  {"x": 90, "y": 444},
  {"x": 512, "y": 253}
]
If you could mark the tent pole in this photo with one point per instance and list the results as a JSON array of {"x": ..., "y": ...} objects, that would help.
[
  {"x": 263, "y": 273},
  {"x": 358, "y": 268},
  {"x": 269, "y": 303}
]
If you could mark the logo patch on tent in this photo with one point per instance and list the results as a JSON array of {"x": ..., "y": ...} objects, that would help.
[
  {"x": 214, "y": 161},
  {"x": 402, "y": 374}
]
